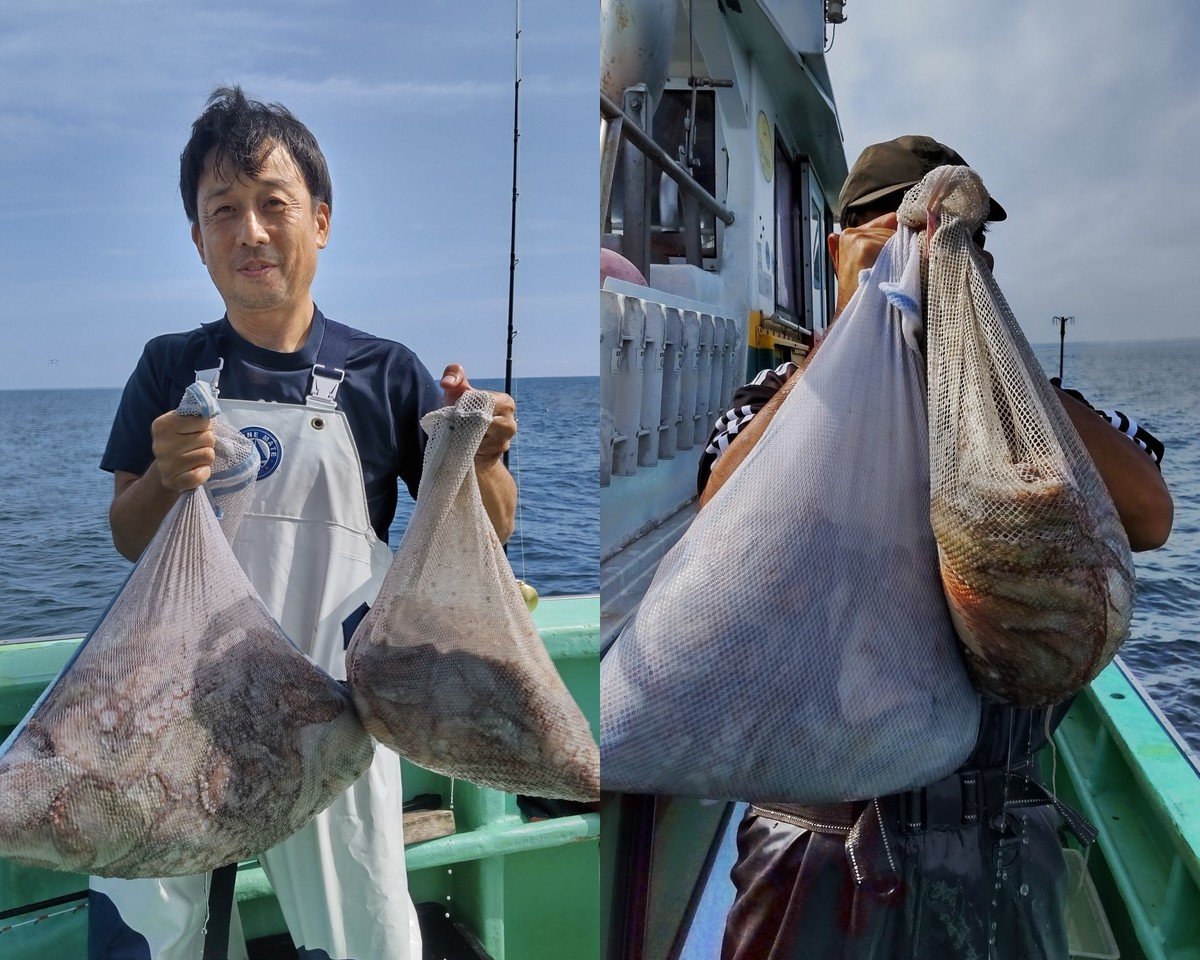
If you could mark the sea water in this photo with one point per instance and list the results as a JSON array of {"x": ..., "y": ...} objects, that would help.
[
  {"x": 58, "y": 567},
  {"x": 1156, "y": 383}
]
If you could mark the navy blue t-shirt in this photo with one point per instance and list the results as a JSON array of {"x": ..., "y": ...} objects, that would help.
[{"x": 386, "y": 392}]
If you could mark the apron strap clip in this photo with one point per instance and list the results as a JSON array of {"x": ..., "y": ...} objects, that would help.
[
  {"x": 325, "y": 383},
  {"x": 212, "y": 375}
]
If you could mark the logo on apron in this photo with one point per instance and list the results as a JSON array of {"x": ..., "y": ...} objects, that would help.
[{"x": 269, "y": 449}]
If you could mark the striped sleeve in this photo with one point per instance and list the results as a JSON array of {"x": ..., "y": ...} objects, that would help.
[
  {"x": 753, "y": 396},
  {"x": 747, "y": 401},
  {"x": 1139, "y": 434},
  {"x": 1126, "y": 424}
]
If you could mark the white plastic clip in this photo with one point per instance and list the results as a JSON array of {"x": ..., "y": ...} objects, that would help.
[
  {"x": 212, "y": 376},
  {"x": 325, "y": 383}
]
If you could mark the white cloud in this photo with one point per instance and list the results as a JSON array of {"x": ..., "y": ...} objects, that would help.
[
  {"x": 1082, "y": 119},
  {"x": 341, "y": 87},
  {"x": 410, "y": 95}
]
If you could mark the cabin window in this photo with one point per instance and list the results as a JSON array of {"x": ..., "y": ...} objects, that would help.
[
  {"x": 789, "y": 250},
  {"x": 802, "y": 290},
  {"x": 816, "y": 222},
  {"x": 788, "y": 297}
]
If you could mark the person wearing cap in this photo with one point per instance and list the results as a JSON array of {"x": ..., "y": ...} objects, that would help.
[
  {"x": 805, "y": 882},
  {"x": 873, "y": 191}
]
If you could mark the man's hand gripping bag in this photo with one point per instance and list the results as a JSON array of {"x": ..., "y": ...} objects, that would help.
[
  {"x": 795, "y": 645},
  {"x": 447, "y": 668},
  {"x": 187, "y": 732},
  {"x": 1035, "y": 561}
]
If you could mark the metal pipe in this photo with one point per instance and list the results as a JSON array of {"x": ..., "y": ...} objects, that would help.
[
  {"x": 784, "y": 324},
  {"x": 610, "y": 145},
  {"x": 1062, "y": 340},
  {"x": 645, "y": 143},
  {"x": 635, "y": 213},
  {"x": 691, "y": 229}
]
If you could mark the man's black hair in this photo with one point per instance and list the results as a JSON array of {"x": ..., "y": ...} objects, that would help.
[{"x": 241, "y": 130}]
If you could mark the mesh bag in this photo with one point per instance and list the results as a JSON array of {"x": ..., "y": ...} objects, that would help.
[
  {"x": 187, "y": 731},
  {"x": 447, "y": 668},
  {"x": 1034, "y": 559},
  {"x": 795, "y": 645}
]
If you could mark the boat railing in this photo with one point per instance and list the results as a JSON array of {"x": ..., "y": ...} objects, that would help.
[
  {"x": 667, "y": 371},
  {"x": 626, "y": 124}
]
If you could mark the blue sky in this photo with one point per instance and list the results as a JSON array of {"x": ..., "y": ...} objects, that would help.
[
  {"x": 1083, "y": 119},
  {"x": 412, "y": 104}
]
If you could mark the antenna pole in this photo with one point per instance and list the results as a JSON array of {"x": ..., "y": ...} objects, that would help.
[
  {"x": 512, "y": 242},
  {"x": 1062, "y": 339}
]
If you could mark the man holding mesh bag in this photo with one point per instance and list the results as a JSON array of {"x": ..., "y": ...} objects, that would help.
[
  {"x": 798, "y": 893},
  {"x": 335, "y": 414}
]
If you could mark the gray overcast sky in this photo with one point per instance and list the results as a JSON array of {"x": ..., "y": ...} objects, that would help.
[
  {"x": 412, "y": 104},
  {"x": 1083, "y": 118}
]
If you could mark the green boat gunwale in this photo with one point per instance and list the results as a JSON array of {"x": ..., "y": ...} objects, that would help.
[
  {"x": 503, "y": 865},
  {"x": 1129, "y": 771}
]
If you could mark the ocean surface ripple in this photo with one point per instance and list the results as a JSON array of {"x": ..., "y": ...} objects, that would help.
[
  {"x": 58, "y": 567},
  {"x": 1155, "y": 383}
]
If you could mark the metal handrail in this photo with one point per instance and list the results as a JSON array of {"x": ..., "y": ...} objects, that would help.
[{"x": 645, "y": 143}]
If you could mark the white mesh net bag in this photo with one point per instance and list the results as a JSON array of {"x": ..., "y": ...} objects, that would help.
[
  {"x": 1034, "y": 559},
  {"x": 795, "y": 645},
  {"x": 187, "y": 732},
  {"x": 447, "y": 668}
]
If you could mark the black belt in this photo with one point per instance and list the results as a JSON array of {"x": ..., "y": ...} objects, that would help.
[
  {"x": 838, "y": 818},
  {"x": 965, "y": 798},
  {"x": 970, "y": 796}
]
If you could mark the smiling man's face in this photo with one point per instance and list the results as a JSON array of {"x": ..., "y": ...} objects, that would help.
[{"x": 259, "y": 238}]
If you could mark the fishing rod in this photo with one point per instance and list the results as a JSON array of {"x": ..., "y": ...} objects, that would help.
[
  {"x": 527, "y": 591},
  {"x": 512, "y": 240}
]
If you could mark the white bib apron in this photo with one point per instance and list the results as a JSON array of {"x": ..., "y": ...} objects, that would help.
[{"x": 307, "y": 545}]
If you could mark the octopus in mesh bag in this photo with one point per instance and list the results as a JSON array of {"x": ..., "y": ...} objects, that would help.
[
  {"x": 1034, "y": 560},
  {"x": 447, "y": 668},
  {"x": 188, "y": 731}
]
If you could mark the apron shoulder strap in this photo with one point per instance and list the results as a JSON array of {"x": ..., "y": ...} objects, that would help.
[
  {"x": 327, "y": 373},
  {"x": 330, "y": 369},
  {"x": 211, "y": 358}
]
